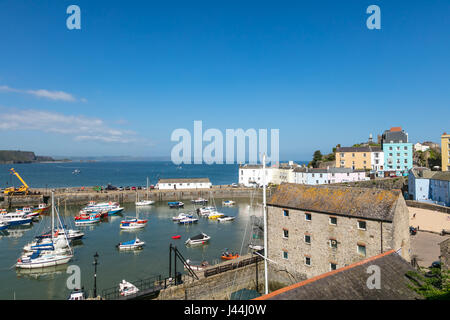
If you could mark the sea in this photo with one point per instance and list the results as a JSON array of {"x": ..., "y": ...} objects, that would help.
[{"x": 117, "y": 173}]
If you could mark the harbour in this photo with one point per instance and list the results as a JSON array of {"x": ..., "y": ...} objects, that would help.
[{"x": 114, "y": 265}]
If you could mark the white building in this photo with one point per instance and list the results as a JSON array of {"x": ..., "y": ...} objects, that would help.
[
  {"x": 316, "y": 176},
  {"x": 251, "y": 175},
  {"x": 189, "y": 183},
  {"x": 420, "y": 147},
  {"x": 377, "y": 160}
]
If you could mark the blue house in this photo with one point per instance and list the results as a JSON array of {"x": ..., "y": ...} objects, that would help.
[
  {"x": 429, "y": 186},
  {"x": 398, "y": 152}
]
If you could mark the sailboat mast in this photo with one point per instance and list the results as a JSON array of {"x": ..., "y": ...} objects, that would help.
[
  {"x": 147, "y": 188},
  {"x": 53, "y": 213},
  {"x": 266, "y": 276}
]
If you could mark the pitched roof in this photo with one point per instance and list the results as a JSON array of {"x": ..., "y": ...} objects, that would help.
[
  {"x": 349, "y": 283},
  {"x": 353, "y": 149},
  {"x": 425, "y": 173},
  {"x": 184, "y": 180},
  {"x": 369, "y": 203}
]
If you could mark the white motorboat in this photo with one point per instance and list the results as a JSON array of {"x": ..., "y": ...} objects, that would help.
[
  {"x": 205, "y": 211},
  {"x": 15, "y": 218},
  {"x": 225, "y": 218},
  {"x": 77, "y": 294},
  {"x": 201, "y": 238},
  {"x": 126, "y": 288},
  {"x": 199, "y": 201},
  {"x": 255, "y": 247},
  {"x": 182, "y": 216},
  {"x": 3, "y": 225},
  {"x": 215, "y": 215},
  {"x": 144, "y": 203},
  {"x": 131, "y": 245}
]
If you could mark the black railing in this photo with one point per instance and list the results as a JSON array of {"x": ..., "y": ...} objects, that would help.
[
  {"x": 146, "y": 287},
  {"x": 231, "y": 266}
]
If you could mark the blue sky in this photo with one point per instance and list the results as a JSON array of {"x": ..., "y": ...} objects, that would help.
[{"x": 138, "y": 70}]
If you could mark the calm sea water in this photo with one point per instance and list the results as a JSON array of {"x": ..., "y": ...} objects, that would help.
[
  {"x": 50, "y": 283},
  {"x": 132, "y": 173}
]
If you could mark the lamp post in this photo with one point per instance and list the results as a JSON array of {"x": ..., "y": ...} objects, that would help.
[{"x": 95, "y": 274}]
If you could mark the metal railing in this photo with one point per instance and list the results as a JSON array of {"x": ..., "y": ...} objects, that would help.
[
  {"x": 231, "y": 266},
  {"x": 146, "y": 287}
]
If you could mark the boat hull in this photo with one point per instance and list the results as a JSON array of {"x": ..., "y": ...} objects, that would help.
[{"x": 43, "y": 264}]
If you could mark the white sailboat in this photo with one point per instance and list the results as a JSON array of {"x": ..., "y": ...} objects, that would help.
[
  {"x": 48, "y": 256},
  {"x": 144, "y": 202}
]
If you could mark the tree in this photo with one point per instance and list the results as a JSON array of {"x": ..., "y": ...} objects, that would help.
[{"x": 317, "y": 157}]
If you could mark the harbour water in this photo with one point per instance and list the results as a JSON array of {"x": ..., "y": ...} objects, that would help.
[{"x": 153, "y": 260}]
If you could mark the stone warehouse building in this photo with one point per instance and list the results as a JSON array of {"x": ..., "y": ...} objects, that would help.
[
  {"x": 316, "y": 229},
  {"x": 188, "y": 183}
]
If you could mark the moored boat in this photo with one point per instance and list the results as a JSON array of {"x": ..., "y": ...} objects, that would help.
[
  {"x": 131, "y": 245},
  {"x": 201, "y": 238},
  {"x": 144, "y": 203},
  {"x": 205, "y": 211},
  {"x": 175, "y": 204},
  {"x": 182, "y": 216},
  {"x": 84, "y": 218},
  {"x": 126, "y": 288},
  {"x": 225, "y": 218},
  {"x": 3, "y": 225},
  {"x": 228, "y": 203},
  {"x": 77, "y": 294},
  {"x": 229, "y": 255},
  {"x": 215, "y": 215},
  {"x": 133, "y": 223},
  {"x": 188, "y": 221},
  {"x": 199, "y": 201},
  {"x": 15, "y": 218},
  {"x": 197, "y": 266}
]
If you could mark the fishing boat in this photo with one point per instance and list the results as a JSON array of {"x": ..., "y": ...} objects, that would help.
[
  {"x": 131, "y": 245},
  {"x": 201, "y": 238},
  {"x": 41, "y": 208},
  {"x": 3, "y": 225},
  {"x": 197, "y": 267},
  {"x": 133, "y": 223},
  {"x": 126, "y": 288},
  {"x": 176, "y": 204},
  {"x": 225, "y": 218},
  {"x": 188, "y": 221},
  {"x": 182, "y": 216},
  {"x": 28, "y": 211},
  {"x": 228, "y": 203},
  {"x": 199, "y": 201},
  {"x": 15, "y": 218},
  {"x": 229, "y": 255},
  {"x": 84, "y": 219}
]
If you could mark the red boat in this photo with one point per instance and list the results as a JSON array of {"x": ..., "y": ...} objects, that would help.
[
  {"x": 229, "y": 256},
  {"x": 176, "y": 237}
]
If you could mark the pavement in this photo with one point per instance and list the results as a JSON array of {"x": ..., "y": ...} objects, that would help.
[{"x": 425, "y": 246}]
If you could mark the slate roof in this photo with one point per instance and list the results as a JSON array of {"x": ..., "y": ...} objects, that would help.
[
  {"x": 368, "y": 203},
  {"x": 325, "y": 170},
  {"x": 425, "y": 173},
  {"x": 350, "y": 283},
  {"x": 185, "y": 180},
  {"x": 394, "y": 136},
  {"x": 353, "y": 149}
]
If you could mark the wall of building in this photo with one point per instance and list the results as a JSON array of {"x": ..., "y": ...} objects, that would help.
[
  {"x": 184, "y": 185},
  {"x": 440, "y": 191},
  {"x": 346, "y": 233},
  {"x": 398, "y": 157},
  {"x": 355, "y": 160},
  {"x": 445, "y": 152},
  {"x": 418, "y": 188}
]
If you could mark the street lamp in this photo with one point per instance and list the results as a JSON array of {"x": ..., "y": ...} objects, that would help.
[{"x": 95, "y": 274}]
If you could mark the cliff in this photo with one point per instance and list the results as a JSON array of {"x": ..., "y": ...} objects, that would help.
[{"x": 10, "y": 156}]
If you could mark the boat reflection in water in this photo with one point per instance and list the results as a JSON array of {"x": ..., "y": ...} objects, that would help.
[
  {"x": 15, "y": 231},
  {"x": 42, "y": 273}
]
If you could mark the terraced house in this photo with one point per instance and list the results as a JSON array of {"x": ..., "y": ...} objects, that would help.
[
  {"x": 445, "y": 151},
  {"x": 315, "y": 229}
]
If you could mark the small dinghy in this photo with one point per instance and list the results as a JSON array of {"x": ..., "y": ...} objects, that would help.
[
  {"x": 176, "y": 237},
  {"x": 199, "y": 201},
  {"x": 131, "y": 245},
  {"x": 229, "y": 255},
  {"x": 225, "y": 218},
  {"x": 127, "y": 289},
  {"x": 228, "y": 203},
  {"x": 197, "y": 267},
  {"x": 201, "y": 238}
]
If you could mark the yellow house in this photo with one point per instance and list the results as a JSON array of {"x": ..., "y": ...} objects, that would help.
[
  {"x": 445, "y": 151},
  {"x": 353, "y": 157}
]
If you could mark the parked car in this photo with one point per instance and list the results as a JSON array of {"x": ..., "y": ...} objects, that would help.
[
  {"x": 110, "y": 187},
  {"x": 412, "y": 231},
  {"x": 120, "y": 188},
  {"x": 152, "y": 187},
  {"x": 133, "y": 188},
  {"x": 234, "y": 185},
  {"x": 127, "y": 188},
  {"x": 436, "y": 264}
]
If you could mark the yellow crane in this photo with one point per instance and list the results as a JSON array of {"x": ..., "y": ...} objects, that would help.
[{"x": 21, "y": 190}]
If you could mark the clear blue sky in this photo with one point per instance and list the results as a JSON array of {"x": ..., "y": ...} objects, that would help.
[{"x": 137, "y": 70}]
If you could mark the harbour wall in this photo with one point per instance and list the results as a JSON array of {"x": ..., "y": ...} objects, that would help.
[
  {"x": 77, "y": 196},
  {"x": 219, "y": 286}
]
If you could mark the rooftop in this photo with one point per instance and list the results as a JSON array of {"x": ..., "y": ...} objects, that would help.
[
  {"x": 368, "y": 203},
  {"x": 349, "y": 283},
  {"x": 425, "y": 173},
  {"x": 184, "y": 180}
]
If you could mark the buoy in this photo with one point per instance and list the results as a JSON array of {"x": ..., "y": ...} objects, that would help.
[{"x": 176, "y": 237}]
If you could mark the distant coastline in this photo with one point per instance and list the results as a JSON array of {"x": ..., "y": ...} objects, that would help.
[{"x": 14, "y": 157}]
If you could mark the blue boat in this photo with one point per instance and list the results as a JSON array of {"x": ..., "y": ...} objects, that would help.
[
  {"x": 3, "y": 225},
  {"x": 15, "y": 218},
  {"x": 176, "y": 204}
]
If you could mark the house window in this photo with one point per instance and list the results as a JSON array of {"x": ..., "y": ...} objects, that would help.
[
  {"x": 333, "y": 243},
  {"x": 308, "y": 216},
  {"x": 364, "y": 155},
  {"x": 286, "y": 213},
  {"x": 321, "y": 175},
  {"x": 362, "y": 250},
  {"x": 307, "y": 238},
  {"x": 308, "y": 261},
  {"x": 333, "y": 266},
  {"x": 406, "y": 148},
  {"x": 285, "y": 255},
  {"x": 390, "y": 148},
  {"x": 285, "y": 233},
  {"x": 342, "y": 155},
  {"x": 362, "y": 225},
  {"x": 333, "y": 221},
  {"x": 353, "y": 155}
]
